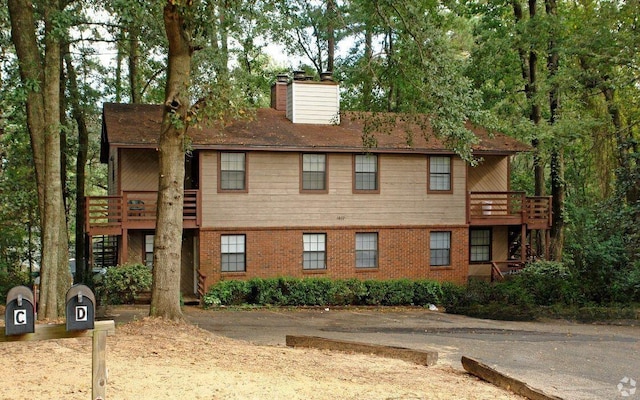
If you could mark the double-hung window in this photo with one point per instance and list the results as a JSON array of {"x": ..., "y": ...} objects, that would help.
[
  {"x": 440, "y": 174},
  {"x": 366, "y": 250},
  {"x": 315, "y": 251},
  {"x": 440, "y": 248},
  {"x": 148, "y": 250},
  {"x": 366, "y": 173},
  {"x": 233, "y": 175},
  {"x": 233, "y": 254},
  {"x": 480, "y": 243},
  {"x": 314, "y": 172}
]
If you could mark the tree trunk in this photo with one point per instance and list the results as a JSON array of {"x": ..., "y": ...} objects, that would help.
[
  {"x": 134, "y": 85},
  {"x": 623, "y": 144},
  {"x": 165, "y": 293},
  {"x": 557, "y": 154},
  {"x": 367, "y": 79},
  {"x": 331, "y": 35},
  {"x": 41, "y": 79},
  {"x": 82, "y": 267}
]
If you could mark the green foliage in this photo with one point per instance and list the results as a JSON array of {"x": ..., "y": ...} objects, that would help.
[
  {"x": 231, "y": 292},
  {"x": 347, "y": 292},
  {"x": 626, "y": 285},
  {"x": 121, "y": 284},
  {"x": 547, "y": 283},
  {"x": 429, "y": 292},
  {"x": 597, "y": 247},
  {"x": 11, "y": 279},
  {"x": 286, "y": 291},
  {"x": 266, "y": 291}
]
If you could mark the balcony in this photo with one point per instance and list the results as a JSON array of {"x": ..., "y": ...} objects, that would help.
[
  {"x": 111, "y": 215},
  {"x": 508, "y": 208}
]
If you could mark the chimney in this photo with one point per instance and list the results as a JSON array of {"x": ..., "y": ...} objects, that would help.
[
  {"x": 279, "y": 92},
  {"x": 313, "y": 102}
]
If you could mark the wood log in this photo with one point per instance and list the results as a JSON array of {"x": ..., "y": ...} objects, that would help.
[
  {"x": 503, "y": 381},
  {"x": 421, "y": 357}
]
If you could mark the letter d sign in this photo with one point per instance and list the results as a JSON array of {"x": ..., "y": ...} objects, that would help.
[
  {"x": 80, "y": 308},
  {"x": 81, "y": 313}
]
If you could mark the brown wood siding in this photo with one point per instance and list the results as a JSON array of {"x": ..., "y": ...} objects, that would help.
[
  {"x": 186, "y": 274},
  {"x": 136, "y": 247},
  {"x": 138, "y": 170},
  {"x": 499, "y": 252},
  {"x": 491, "y": 175},
  {"x": 113, "y": 172},
  {"x": 500, "y": 249},
  {"x": 274, "y": 197}
]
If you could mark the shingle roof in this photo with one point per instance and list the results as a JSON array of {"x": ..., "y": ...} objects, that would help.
[{"x": 138, "y": 125}]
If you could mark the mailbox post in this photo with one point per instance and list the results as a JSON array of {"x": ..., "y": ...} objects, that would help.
[
  {"x": 19, "y": 315},
  {"x": 80, "y": 308}
]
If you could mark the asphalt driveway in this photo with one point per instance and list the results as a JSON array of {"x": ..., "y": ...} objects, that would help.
[{"x": 570, "y": 360}]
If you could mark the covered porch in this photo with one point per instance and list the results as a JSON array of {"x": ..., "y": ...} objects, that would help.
[{"x": 526, "y": 218}]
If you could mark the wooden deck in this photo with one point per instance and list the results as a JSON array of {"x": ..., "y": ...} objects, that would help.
[
  {"x": 508, "y": 208},
  {"x": 111, "y": 215}
]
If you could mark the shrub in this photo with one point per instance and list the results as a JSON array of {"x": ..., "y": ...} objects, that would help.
[
  {"x": 548, "y": 282},
  {"x": 452, "y": 296},
  {"x": 398, "y": 292},
  {"x": 231, "y": 292},
  {"x": 626, "y": 285},
  {"x": 427, "y": 292},
  {"x": 266, "y": 291},
  {"x": 376, "y": 291},
  {"x": 347, "y": 292},
  {"x": 121, "y": 284}
]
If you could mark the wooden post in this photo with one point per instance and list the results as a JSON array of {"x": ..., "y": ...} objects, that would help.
[
  {"x": 99, "y": 365},
  {"x": 101, "y": 330},
  {"x": 486, "y": 373}
]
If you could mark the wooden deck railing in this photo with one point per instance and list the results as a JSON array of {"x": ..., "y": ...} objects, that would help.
[
  {"x": 108, "y": 215},
  {"x": 505, "y": 208},
  {"x": 501, "y": 269},
  {"x": 201, "y": 282}
]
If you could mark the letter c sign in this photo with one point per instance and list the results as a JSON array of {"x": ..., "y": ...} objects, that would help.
[{"x": 19, "y": 317}]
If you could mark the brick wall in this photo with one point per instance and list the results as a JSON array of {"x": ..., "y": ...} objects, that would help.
[{"x": 402, "y": 253}]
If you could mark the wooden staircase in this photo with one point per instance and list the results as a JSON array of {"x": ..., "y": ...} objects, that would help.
[{"x": 105, "y": 251}]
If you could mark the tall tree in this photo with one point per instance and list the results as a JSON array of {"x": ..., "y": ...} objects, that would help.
[
  {"x": 40, "y": 76},
  {"x": 165, "y": 292},
  {"x": 216, "y": 104},
  {"x": 557, "y": 151}
]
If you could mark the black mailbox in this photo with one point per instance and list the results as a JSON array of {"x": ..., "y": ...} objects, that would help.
[
  {"x": 19, "y": 315},
  {"x": 80, "y": 308}
]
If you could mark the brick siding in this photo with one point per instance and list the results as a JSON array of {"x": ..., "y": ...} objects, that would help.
[{"x": 402, "y": 253}]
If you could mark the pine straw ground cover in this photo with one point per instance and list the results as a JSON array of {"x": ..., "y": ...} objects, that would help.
[{"x": 156, "y": 359}]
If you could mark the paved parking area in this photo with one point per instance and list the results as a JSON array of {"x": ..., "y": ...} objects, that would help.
[{"x": 570, "y": 360}]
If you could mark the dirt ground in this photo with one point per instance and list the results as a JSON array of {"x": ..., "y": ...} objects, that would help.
[{"x": 155, "y": 359}]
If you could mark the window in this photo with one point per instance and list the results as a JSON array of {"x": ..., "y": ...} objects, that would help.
[
  {"x": 148, "y": 250},
  {"x": 232, "y": 172},
  {"x": 314, "y": 168},
  {"x": 366, "y": 250},
  {"x": 314, "y": 255},
  {"x": 366, "y": 172},
  {"x": 440, "y": 174},
  {"x": 232, "y": 250},
  {"x": 440, "y": 248},
  {"x": 480, "y": 240}
]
